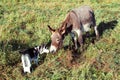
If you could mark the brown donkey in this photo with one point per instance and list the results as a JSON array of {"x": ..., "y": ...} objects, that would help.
[{"x": 77, "y": 21}]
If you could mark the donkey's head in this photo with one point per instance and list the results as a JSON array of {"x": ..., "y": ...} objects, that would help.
[{"x": 56, "y": 38}]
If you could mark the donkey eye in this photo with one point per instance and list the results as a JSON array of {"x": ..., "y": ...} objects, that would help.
[{"x": 57, "y": 40}]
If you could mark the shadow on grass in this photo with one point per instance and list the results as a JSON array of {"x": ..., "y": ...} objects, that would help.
[
  {"x": 104, "y": 26},
  {"x": 13, "y": 45},
  {"x": 8, "y": 49}
]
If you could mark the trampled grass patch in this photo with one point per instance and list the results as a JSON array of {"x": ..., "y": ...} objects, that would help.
[{"x": 23, "y": 24}]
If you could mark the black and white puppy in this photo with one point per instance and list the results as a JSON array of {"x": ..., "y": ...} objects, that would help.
[{"x": 30, "y": 55}]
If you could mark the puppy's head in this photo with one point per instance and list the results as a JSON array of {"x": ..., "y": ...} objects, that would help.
[
  {"x": 43, "y": 49},
  {"x": 36, "y": 49}
]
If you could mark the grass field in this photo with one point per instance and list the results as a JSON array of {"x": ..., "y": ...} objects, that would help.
[{"x": 23, "y": 24}]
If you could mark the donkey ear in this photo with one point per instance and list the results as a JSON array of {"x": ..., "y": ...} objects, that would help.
[
  {"x": 63, "y": 29},
  {"x": 51, "y": 30}
]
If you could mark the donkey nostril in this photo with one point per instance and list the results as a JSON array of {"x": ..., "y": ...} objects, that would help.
[{"x": 52, "y": 51}]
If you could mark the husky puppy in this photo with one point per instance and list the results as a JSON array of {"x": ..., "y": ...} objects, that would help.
[{"x": 31, "y": 54}]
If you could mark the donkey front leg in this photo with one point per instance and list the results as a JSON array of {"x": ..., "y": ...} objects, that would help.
[
  {"x": 80, "y": 39},
  {"x": 74, "y": 39}
]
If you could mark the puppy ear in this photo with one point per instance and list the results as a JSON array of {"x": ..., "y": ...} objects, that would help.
[
  {"x": 50, "y": 29},
  {"x": 36, "y": 49}
]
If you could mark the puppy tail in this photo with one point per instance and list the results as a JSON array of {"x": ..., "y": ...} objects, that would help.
[{"x": 22, "y": 52}]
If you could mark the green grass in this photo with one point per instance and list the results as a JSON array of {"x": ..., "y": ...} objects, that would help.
[{"x": 23, "y": 24}]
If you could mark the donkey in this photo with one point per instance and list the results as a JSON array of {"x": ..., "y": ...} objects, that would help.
[
  {"x": 31, "y": 54},
  {"x": 77, "y": 21}
]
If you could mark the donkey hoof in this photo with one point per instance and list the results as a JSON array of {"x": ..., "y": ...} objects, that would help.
[{"x": 97, "y": 37}]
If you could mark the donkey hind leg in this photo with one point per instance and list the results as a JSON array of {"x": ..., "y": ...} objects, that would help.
[
  {"x": 96, "y": 32},
  {"x": 74, "y": 39}
]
